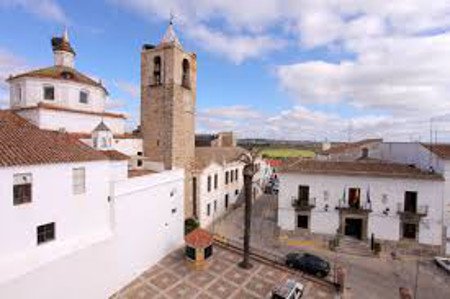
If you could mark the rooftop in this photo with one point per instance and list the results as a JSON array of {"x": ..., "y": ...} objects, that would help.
[
  {"x": 357, "y": 168},
  {"x": 204, "y": 156},
  {"x": 199, "y": 238},
  {"x": 441, "y": 150},
  {"x": 341, "y": 148},
  {"x": 22, "y": 143},
  {"x": 58, "y": 72},
  {"x": 139, "y": 172}
]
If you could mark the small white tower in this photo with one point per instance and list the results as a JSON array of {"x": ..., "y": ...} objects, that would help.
[
  {"x": 102, "y": 137},
  {"x": 64, "y": 55}
]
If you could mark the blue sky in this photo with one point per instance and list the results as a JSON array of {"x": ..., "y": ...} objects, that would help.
[{"x": 285, "y": 69}]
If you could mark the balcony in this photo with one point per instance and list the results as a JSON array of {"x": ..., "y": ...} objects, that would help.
[
  {"x": 411, "y": 214},
  {"x": 354, "y": 208},
  {"x": 304, "y": 204}
]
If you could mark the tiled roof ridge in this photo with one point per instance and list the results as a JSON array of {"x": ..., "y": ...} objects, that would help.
[{"x": 56, "y": 71}]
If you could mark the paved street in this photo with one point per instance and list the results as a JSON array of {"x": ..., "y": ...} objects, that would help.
[
  {"x": 173, "y": 278},
  {"x": 367, "y": 277}
]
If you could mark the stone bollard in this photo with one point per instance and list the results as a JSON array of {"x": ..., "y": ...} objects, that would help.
[
  {"x": 340, "y": 279},
  {"x": 405, "y": 293}
]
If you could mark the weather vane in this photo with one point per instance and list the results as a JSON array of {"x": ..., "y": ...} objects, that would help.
[{"x": 172, "y": 17}]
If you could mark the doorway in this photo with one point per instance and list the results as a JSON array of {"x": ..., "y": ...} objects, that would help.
[
  {"x": 302, "y": 221},
  {"x": 409, "y": 231},
  {"x": 353, "y": 227}
]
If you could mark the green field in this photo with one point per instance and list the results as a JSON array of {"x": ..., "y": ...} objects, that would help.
[{"x": 287, "y": 153}]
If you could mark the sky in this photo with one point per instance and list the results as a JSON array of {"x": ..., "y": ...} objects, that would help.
[{"x": 334, "y": 70}]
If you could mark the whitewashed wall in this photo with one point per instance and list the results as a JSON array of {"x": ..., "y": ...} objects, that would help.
[
  {"x": 430, "y": 193},
  {"x": 129, "y": 147},
  {"x": 78, "y": 218},
  {"x": 67, "y": 94},
  {"x": 218, "y": 195},
  {"x": 143, "y": 228},
  {"x": 72, "y": 122}
]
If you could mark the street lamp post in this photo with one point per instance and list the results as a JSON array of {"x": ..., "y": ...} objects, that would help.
[{"x": 249, "y": 171}]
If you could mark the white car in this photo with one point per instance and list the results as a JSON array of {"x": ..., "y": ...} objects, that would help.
[
  {"x": 443, "y": 262},
  {"x": 291, "y": 289}
]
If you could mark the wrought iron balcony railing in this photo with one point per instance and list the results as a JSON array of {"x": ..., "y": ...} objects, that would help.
[
  {"x": 304, "y": 204},
  {"x": 356, "y": 208},
  {"x": 412, "y": 212}
]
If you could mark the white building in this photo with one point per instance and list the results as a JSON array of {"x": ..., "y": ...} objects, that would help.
[
  {"x": 60, "y": 98},
  {"x": 392, "y": 201},
  {"x": 70, "y": 211}
]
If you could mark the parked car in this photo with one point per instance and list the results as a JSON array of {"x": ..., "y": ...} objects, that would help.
[
  {"x": 443, "y": 262},
  {"x": 308, "y": 263},
  {"x": 290, "y": 289}
]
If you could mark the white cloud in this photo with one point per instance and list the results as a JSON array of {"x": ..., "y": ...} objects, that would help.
[
  {"x": 131, "y": 89},
  {"x": 236, "y": 48},
  {"x": 45, "y": 9},
  {"x": 237, "y": 111},
  {"x": 401, "y": 75},
  {"x": 9, "y": 64}
]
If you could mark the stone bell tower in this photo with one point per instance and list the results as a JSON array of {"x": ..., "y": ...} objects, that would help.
[{"x": 168, "y": 95}]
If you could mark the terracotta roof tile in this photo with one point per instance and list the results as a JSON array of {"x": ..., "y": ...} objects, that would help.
[
  {"x": 204, "y": 156},
  {"x": 199, "y": 238},
  {"x": 357, "y": 168},
  {"x": 441, "y": 150},
  {"x": 59, "y": 72},
  {"x": 22, "y": 143}
]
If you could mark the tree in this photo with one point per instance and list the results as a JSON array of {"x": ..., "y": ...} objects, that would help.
[{"x": 248, "y": 159}]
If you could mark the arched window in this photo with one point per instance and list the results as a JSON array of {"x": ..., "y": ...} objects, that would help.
[
  {"x": 185, "y": 79},
  {"x": 157, "y": 70}
]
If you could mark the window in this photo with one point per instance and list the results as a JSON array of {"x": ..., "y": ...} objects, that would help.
[
  {"x": 208, "y": 251},
  {"x": 226, "y": 178},
  {"x": 22, "y": 188},
  {"x": 303, "y": 194},
  {"x": 231, "y": 175},
  {"x": 411, "y": 201},
  {"x": 209, "y": 183},
  {"x": 190, "y": 252},
  {"x": 216, "y": 181},
  {"x": 139, "y": 153},
  {"x": 45, "y": 233},
  {"x": 185, "y": 79},
  {"x": 226, "y": 201},
  {"x": 139, "y": 163},
  {"x": 364, "y": 152},
  {"x": 236, "y": 192},
  {"x": 84, "y": 97},
  {"x": 215, "y": 205},
  {"x": 208, "y": 209},
  {"x": 354, "y": 197},
  {"x": 157, "y": 70},
  {"x": 79, "y": 180},
  {"x": 49, "y": 93},
  {"x": 236, "y": 176},
  {"x": 18, "y": 93}
]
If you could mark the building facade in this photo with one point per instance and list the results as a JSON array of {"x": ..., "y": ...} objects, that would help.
[{"x": 394, "y": 202}]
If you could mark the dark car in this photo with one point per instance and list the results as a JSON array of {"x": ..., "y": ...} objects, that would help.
[{"x": 308, "y": 263}]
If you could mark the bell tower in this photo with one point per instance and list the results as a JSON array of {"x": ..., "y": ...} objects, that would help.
[{"x": 168, "y": 95}]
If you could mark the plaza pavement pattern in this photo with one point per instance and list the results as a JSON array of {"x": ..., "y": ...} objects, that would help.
[{"x": 173, "y": 277}]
